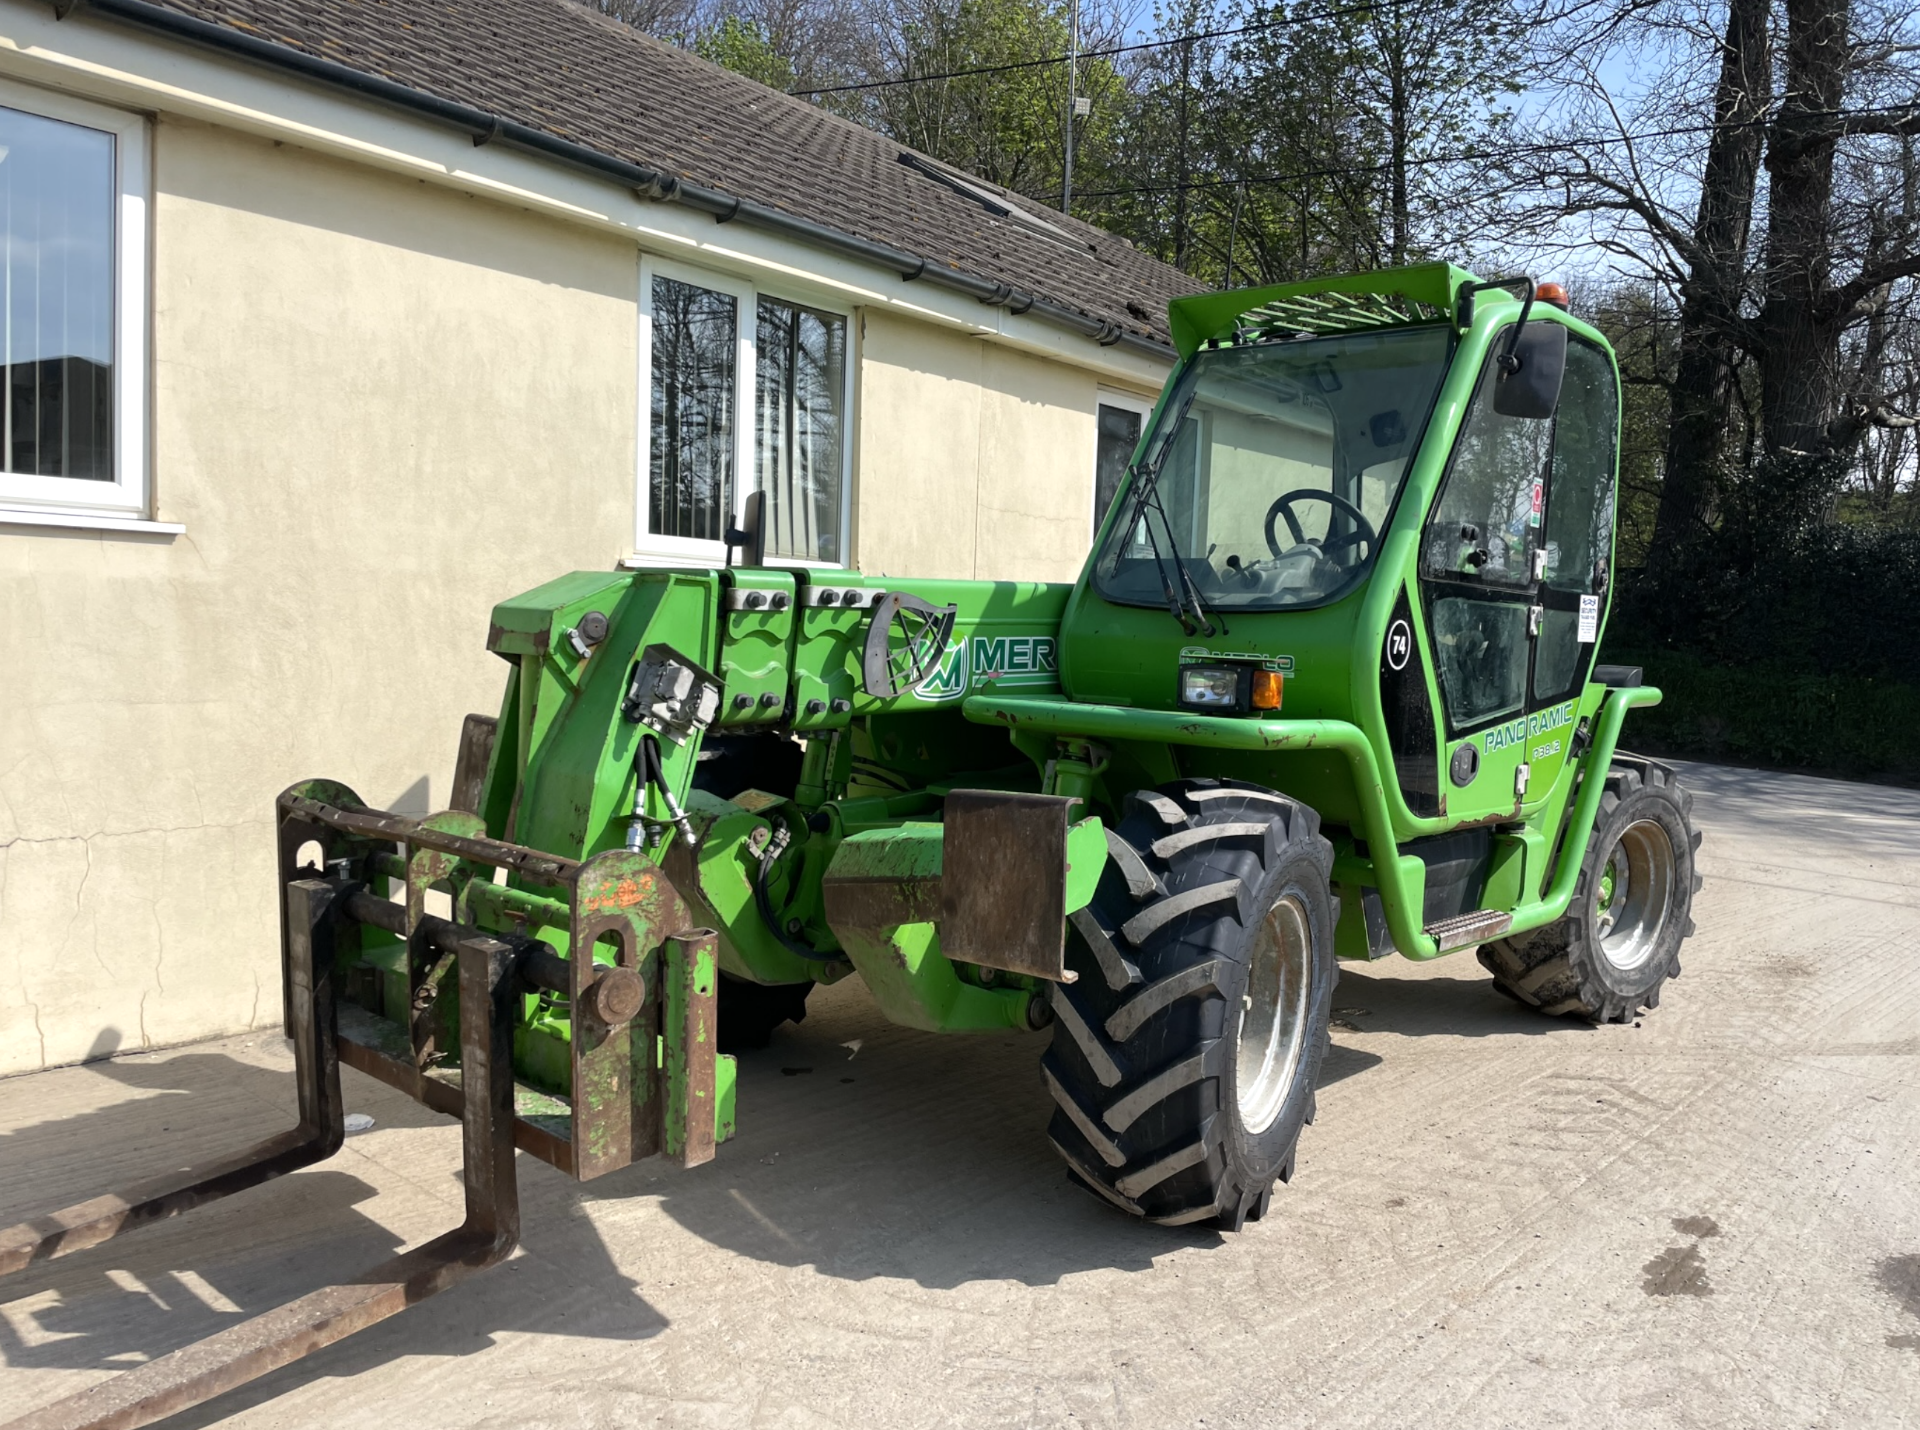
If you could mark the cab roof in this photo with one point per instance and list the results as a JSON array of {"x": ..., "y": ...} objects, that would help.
[{"x": 1347, "y": 302}]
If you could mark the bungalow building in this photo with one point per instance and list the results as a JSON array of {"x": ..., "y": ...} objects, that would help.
[{"x": 329, "y": 323}]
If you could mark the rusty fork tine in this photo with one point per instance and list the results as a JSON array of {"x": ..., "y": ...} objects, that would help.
[
  {"x": 311, "y": 924},
  {"x": 200, "y": 1371},
  {"x": 89, "y": 1223}
]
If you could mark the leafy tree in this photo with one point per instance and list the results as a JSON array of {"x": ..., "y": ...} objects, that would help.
[
  {"x": 745, "y": 48},
  {"x": 1006, "y": 126}
]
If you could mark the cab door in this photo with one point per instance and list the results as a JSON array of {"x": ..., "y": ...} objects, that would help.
[
  {"x": 1482, "y": 557},
  {"x": 1576, "y": 553}
]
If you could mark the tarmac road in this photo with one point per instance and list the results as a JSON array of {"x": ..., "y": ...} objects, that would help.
[{"x": 1498, "y": 1220}]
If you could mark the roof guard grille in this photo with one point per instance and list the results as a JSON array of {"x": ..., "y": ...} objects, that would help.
[{"x": 1318, "y": 313}]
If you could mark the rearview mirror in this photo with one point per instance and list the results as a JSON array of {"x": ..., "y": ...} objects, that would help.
[{"x": 1529, "y": 381}]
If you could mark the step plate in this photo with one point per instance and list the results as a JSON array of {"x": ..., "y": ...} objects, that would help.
[{"x": 1465, "y": 930}]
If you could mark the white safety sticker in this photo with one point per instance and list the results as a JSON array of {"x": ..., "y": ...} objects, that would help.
[{"x": 1589, "y": 619}]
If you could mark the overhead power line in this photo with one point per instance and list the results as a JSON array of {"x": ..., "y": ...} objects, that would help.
[
  {"x": 1469, "y": 156},
  {"x": 1169, "y": 42}
]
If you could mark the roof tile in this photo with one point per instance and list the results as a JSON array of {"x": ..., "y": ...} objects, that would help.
[{"x": 557, "y": 66}]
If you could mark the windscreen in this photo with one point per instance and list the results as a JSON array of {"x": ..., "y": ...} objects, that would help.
[{"x": 1271, "y": 472}]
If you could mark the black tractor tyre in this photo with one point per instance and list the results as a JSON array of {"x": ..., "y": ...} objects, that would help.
[
  {"x": 1609, "y": 955},
  {"x": 1212, "y": 925},
  {"x": 749, "y": 1012}
]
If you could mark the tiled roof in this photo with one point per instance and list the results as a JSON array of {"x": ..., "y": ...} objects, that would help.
[{"x": 556, "y": 66}]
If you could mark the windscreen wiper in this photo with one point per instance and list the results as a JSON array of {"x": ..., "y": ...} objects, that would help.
[
  {"x": 1143, "y": 493},
  {"x": 1146, "y": 504},
  {"x": 1200, "y": 610},
  {"x": 1136, "y": 515}
]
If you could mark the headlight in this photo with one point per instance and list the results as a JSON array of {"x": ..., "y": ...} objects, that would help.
[{"x": 1213, "y": 687}]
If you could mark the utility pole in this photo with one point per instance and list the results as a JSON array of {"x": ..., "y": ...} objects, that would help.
[
  {"x": 1233, "y": 230},
  {"x": 1073, "y": 107}
]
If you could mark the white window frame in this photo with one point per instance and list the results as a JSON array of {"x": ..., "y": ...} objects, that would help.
[
  {"x": 661, "y": 548},
  {"x": 1127, "y": 402},
  {"x": 126, "y": 495}
]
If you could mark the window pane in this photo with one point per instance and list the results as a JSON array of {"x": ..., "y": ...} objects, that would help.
[
  {"x": 1487, "y": 521},
  {"x": 799, "y": 438},
  {"x": 1481, "y": 649},
  {"x": 1267, "y": 457},
  {"x": 1119, "y": 434},
  {"x": 690, "y": 491},
  {"x": 56, "y": 287},
  {"x": 1579, "y": 527},
  {"x": 1580, "y": 502},
  {"x": 1557, "y": 654}
]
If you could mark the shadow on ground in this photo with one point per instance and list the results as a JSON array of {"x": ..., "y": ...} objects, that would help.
[
  {"x": 1463, "y": 1005},
  {"x": 912, "y": 1156},
  {"x": 865, "y": 1151},
  {"x": 115, "y": 1306}
]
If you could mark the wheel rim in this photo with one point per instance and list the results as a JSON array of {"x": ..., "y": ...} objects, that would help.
[
  {"x": 1636, "y": 889},
  {"x": 1273, "y": 1016}
]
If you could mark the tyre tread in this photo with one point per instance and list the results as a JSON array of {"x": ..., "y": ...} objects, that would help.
[
  {"x": 1090, "y": 1129},
  {"x": 1149, "y": 921},
  {"x": 1556, "y": 968},
  {"x": 1164, "y": 933},
  {"x": 1118, "y": 970},
  {"x": 1197, "y": 978}
]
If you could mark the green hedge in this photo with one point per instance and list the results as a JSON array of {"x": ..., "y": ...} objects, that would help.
[
  {"x": 1775, "y": 712},
  {"x": 1783, "y": 636}
]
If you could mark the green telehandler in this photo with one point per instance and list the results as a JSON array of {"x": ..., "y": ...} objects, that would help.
[{"x": 1325, "y": 689}]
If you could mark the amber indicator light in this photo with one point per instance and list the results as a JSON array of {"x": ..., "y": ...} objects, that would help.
[
  {"x": 1266, "y": 690},
  {"x": 1553, "y": 293}
]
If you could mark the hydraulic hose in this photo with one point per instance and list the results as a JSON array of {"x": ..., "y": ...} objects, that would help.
[{"x": 764, "y": 902}]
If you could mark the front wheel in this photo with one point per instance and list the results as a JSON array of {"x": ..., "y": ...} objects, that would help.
[
  {"x": 1184, "y": 1056},
  {"x": 1619, "y": 941}
]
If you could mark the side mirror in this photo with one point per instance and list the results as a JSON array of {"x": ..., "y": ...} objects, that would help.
[{"x": 1530, "y": 372}]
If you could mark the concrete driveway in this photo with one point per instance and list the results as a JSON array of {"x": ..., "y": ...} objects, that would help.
[{"x": 1709, "y": 1220}]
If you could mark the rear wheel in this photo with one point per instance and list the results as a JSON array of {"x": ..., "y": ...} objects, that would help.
[
  {"x": 1619, "y": 941},
  {"x": 1184, "y": 1055}
]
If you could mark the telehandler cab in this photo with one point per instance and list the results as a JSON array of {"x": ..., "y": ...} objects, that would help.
[{"x": 1324, "y": 689}]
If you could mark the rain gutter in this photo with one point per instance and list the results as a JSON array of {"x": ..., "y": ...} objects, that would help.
[{"x": 652, "y": 184}]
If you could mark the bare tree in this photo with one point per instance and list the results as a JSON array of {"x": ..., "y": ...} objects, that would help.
[
  {"x": 1711, "y": 292},
  {"x": 1799, "y": 336},
  {"x": 1757, "y": 181},
  {"x": 668, "y": 19}
]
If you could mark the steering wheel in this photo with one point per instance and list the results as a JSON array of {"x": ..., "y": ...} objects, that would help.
[{"x": 1283, "y": 507}]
